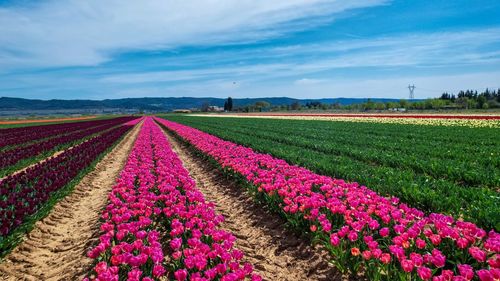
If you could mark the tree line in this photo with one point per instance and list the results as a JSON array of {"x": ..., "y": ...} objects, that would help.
[
  {"x": 468, "y": 99},
  {"x": 473, "y": 99}
]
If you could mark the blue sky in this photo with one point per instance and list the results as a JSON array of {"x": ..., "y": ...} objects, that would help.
[{"x": 247, "y": 48}]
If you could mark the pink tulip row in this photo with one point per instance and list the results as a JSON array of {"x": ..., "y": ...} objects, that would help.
[
  {"x": 383, "y": 237},
  {"x": 157, "y": 224}
]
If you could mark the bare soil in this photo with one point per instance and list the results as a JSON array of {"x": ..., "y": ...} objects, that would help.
[
  {"x": 276, "y": 252},
  {"x": 56, "y": 248}
]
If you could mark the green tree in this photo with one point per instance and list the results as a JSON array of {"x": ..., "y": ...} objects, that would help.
[
  {"x": 370, "y": 105},
  {"x": 262, "y": 104},
  {"x": 295, "y": 105},
  {"x": 404, "y": 103},
  {"x": 481, "y": 100},
  {"x": 471, "y": 103},
  {"x": 204, "y": 107},
  {"x": 379, "y": 106}
]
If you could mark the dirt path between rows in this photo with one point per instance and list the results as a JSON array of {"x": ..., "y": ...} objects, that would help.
[
  {"x": 56, "y": 248},
  {"x": 276, "y": 253}
]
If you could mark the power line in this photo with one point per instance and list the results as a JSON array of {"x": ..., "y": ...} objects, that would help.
[{"x": 412, "y": 90}]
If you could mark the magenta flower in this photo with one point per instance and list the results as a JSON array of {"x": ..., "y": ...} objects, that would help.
[
  {"x": 175, "y": 243},
  {"x": 424, "y": 273},
  {"x": 484, "y": 275},
  {"x": 466, "y": 271},
  {"x": 181, "y": 275},
  {"x": 478, "y": 254},
  {"x": 353, "y": 216},
  {"x": 154, "y": 191}
]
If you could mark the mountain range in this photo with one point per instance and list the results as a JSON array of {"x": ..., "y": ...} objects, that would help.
[{"x": 158, "y": 104}]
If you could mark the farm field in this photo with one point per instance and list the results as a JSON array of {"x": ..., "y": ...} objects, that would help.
[
  {"x": 7, "y": 123},
  {"x": 461, "y": 120},
  {"x": 449, "y": 169},
  {"x": 250, "y": 140},
  {"x": 154, "y": 198},
  {"x": 28, "y": 195},
  {"x": 385, "y": 237},
  {"x": 21, "y": 147}
]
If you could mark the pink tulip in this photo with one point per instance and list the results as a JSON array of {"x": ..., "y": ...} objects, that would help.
[
  {"x": 154, "y": 176},
  {"x": 477, "y": 254},
  {"x": 181, "y": 274},
  {"x": 484, "y": 275},
  {"x": 424, "y": 273},
  {"x": 385, "y": 258},
  {"x": 466, "y": 271},
  {"x": 383, "y": 224}
]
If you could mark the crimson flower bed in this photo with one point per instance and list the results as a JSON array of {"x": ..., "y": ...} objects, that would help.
[
  {"x": 14, "y": 155},
  {"x": 383, "y": 238},
  {"x": 158, "y": 226},
  {"x": 17, "y": 136},
  {"x": 22, "y": 195}
]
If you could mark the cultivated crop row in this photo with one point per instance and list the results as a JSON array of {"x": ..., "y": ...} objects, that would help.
[
  {"x": 393, "y": 116},
  {"x": 477, "y": 121},
  {"x": 27, "y": 196},
  {"x": 10, "y": 158},
  {"x": 20, "y": 136},
  {"x": 437, "y": 169},
  {"x": 380, "y": 236},
  {"x": 158, "y": 226}
]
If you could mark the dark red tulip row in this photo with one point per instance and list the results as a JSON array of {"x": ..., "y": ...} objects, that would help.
[
  {"x": 14, "y": 155},
  {"x": 17, "y": 136},
  {"x": 24, "y": 193}
]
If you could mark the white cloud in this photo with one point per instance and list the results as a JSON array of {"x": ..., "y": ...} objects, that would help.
[
  {"x": 195, "y": 74},
  {"x": 390, "y": 87},
  {"x": 86, "y": 33},
  {"x": 439, "y": 50},
  {"x": 307, "y": 81}
]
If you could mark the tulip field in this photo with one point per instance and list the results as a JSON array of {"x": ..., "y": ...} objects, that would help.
[
  {"x": 449, "y": 169},
  {"x": 388, "y": 238},
  {"x": 381, "y": 199},
  {"x": 155, "y": 200},
  {"x": 27, "y": 195},
  {"x": 23, "y": 146}
]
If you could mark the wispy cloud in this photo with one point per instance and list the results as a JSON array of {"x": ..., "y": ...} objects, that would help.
[
  {"x": 435, "y": 50},
  {"x": 87, "y": 33},
  {"x": 105, "y": 49},
  {"x": 388, "y": 87},
  {"x": 307, "y": 81}
]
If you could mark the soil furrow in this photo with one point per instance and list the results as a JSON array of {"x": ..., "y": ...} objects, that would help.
[
  {"x": 56, "y": 248},
  {"x": 275, "y": 252}
]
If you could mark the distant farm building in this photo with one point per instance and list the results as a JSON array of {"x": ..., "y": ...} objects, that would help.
[{"x": 215, "y": 108}]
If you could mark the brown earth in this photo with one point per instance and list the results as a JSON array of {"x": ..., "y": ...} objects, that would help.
[
  {"x": 56, "y": 248},
  {"x": 275, "y": 252}
]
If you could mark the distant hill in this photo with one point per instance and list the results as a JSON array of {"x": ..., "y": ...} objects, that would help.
[{"x": 155, "y": 104}]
